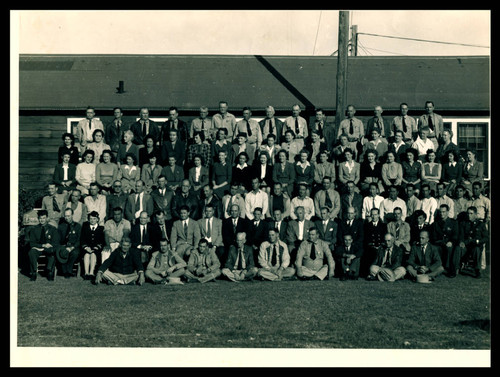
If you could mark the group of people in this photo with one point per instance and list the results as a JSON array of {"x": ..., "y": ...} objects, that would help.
[{"x": 239, "y": 200}]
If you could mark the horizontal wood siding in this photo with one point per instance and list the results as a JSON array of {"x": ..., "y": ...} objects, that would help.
[{"x": 39, "y": 140}]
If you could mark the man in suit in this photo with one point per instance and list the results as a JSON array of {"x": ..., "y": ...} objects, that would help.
[
  {"x": 174, "y": 124},
  {"x": 258, "y": 229},
  {"x": 401, "y": 231},
  {"x": 445, "y": 236},
  {"x": 86, "y": 127},
  {"x": 419, "y": 225},
  {"x": 137, "y": 202},
  {"x": 144, "y": 126},
  {"x": 348, "y": 255},
  {"x": 434, "y": 122},
  {"x": 472, "y": 235},
  {"x": 251, "y": 127},
  {"x": 173, "y": 147},
  {"x": 354, "y": 129},
  {"x": 165, "y": 266},
  {"x": 351, "y": 199},
  {"x": 69, "y": 247},
  {"x": 271, "y": 125},
  {"x": 240, "y": 263},
  {"x": 117, "y": 198},
  {"x": 278, "y": 222},
  {"x": 297, "y": 231},
  {"x": 353, "y": 226},
  {"x": 327, "y": 228},
  {"x": 141, "y": 237},
  {"x": 279, "y": 200},
  {"x": 233, "y": 197},
  {"x": 160, "y": 229},
  {"x": 211, "y": 230},
  {"x": 231, "y": 227},
  {"x": 203, "y": 265},
  {"x": 319, "y": 125},
  {"x": 311, "y": 258},
  {"x": 185, "y": 198},
  {"x": 113, "y": 131},
  {"x": 424, "y": 258},
  {"x": 54, "y": 204},
  {"x": 387, "y": 265},
  {"x": 379, "y": 123},
  {"x": 43, "y": 239},
  {"x": 274, "y": 259},
  {"x": 209, "y": 198},
  {"x": 162, "y": 200},
  {"x": 404, "y": 123},
  {"x": 64, "y": 175},
  {"x": 185, "y": 234},
  {"x": 373, "y": 236},
  {"x": 328, "y": 198}
]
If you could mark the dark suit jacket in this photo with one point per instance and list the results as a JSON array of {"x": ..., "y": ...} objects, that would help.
[
  {"x": 283, "y": 228},
  {"x": 257, "y": 234},
  {"x": 469, "y": 232},
  {"x": 136, "y": 128},
  {"x": 356, "y": 230},
  {"x": 370, "y": 126},
  {"x": 174, "y": 178},
  {"x": 374, "y": 235},
  {"x": 191, "y": 201},
  {"x": 178, "y": 151},
  {"x": 445, "y": 231},
  {"x": 51, "y": 235},
  {"x": 357, "y": 202},
  {"x": 135, "y": 235},
  {"x": 292, "y": 233},
  {"x": 279, "y": 129},
  {"x": 69, "y": 235},
  {"x": 130, "y": 210},
  {"x": 233, "y": 256},
  {"x": 400, "y": 154},
  {"x": 255, "y": 173},
  {"x": 228, "y": 234},
  {"x": 216, "y": 202},
  {"x": 431, "y": 259},
  {"x": 58, "y": 176},
  {"x": 355, "y": 249},
  {"x": 330, "y": 235},
  {"x": 182, "y": 127},
  {"x": 415, "y": 233},
  {"x": 93, "y": 239},
  {"x": 156, "y": 235},
  {"x": 163, "y": 202},
  {"x": 396, "y": 257}
]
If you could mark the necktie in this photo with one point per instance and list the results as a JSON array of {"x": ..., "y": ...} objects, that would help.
[
  {"x": 137, "y": 203},
  {"x": 296, "y": 126},
  {"x": 405, "y": 127},
  {"x": 328, "y": 201},
  {"x": 209, "y": 234},
  {"x": 55, "y": 206},
  {"x": 351, "y": 127},
  {"x": 275, "y": 254},
  {"x": 43, "y": 239},
  {"x": 234, "y": 226},
  {"x": 431, "y": 125},
  {"x": 373, "y": 203},
  {"x": 144, "y": 129},
  {"x": 325, "y": 223},
  {"x": 387, "y": 258},
  {"x": 313, "y": 251},
  {"x": 142, "y": 234},
  {"x": 423, "y": 254},
  {"x": 320, "y": 129},
  {"x": 277, "y": 226},
  {"x": 185, "y": 228},
  {"x": 241, "y": 259},
  {"x": 271, "y": 130},
  {"x": 249, "y": 131},
  {"x": 90, "y": 124},
  {"x": 163, "y": 232},
  {"x": 203, "y": 125},
  {"x": 397, "y": 231}
]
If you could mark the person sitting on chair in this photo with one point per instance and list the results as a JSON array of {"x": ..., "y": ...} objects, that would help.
[{"x": 69, "y": 248}]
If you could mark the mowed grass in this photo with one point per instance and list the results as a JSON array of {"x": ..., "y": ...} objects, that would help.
[{"x": 446, "y": 314}]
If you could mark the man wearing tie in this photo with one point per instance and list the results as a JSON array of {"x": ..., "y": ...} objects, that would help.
[
  {"x": 251, "y": 127},
  {"x": 173, "y": 147},
  {"x": 43, "y": 239},
  {"x": 231, "y": 227},
  {"x": 113, "y": 132},
  {"x": 354, "y": 129},
  {"x": 424, "y": 258},
  {"x": 311, "y": 257},
  {"x": 297, "y": 231},
  {"x": 203, "y": 265},
  {"x": 114, "y": 230},
  {"x": 373, "y": 236},
  {"x": 434, "y": 122},
  {"x": 404, "y": 123},
  {"x": 349, "y": 255},
  {"x": 144, "y": 126},
  {"x": 401, "y": 231},
  {"x": 233, "y": 198},
  {"x": 353, "y": 226},
  {"x": 278, "y": 222},
  {"x": 258, "y": 232},
  {"x": 141, "y": 237},
  {"x": 202, "y": 124},
  {"x": 298, "y": 125},
  {"x": 387, "y": 265},
  {"x": 86, "y": 127},
  {"x": 162, "y": 201},
  {"x": 327, "y": 228},
  {"x": 138, "y": 202},
  {"x": 271, "y": 125},
  {"x": 69, "y": 248},
  {"x": 211, "y": 230},
  {"x": 165, "y": 266},
  {"x": 328, "y": 198},
  {"x": 92, "y": 242},
  {"x": 274, "y": 259},
  {"x": 185, "y": 234},
  {"x": 174, "y": 123},
  {"x": 160, "y": 229},
  {"x": 240, "y": 263},
  {"x": 54, "y": 204}
]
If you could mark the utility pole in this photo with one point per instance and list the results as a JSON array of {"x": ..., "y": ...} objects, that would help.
[
  {"x": 354, "y": 40},
  {"x": 342, "y": 67}
]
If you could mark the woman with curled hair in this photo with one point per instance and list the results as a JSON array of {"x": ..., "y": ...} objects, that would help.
[
  {"x": 98, "y": 145},
  {"x": 198, "y": 175},
  {"x": 447, "y": 146},
  {"x": 127, "y": 147},
  {"x": 472, "y": 171},
  {"x": 370, "y": 172},
  {"x": 412, "y": 170},
  {"x": 431, "y": 170},
  {"x": 106, "y": 172},
  {"x": 242, "y": 172},
  {"x": 201, "y": 148},
  {"x": 149, "y": 149},
  {"x": 349, "y": 170},
  {"x": 130, "y": 173},
  {"x": 85, "y": 172},
  {"x": 284, "y": 172},
  {"x": 392, "y": 171},
  {"x": 69, "y": 146},
  {"x": 451, "y": 172}
]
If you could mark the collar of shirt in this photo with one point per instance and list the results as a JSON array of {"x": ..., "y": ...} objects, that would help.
[
  {"x": 241, "y": 167},
  {"x": 375, "y": 223},
  {"x": 303, "y": 165},
  {"x": 453, "y": 163}
]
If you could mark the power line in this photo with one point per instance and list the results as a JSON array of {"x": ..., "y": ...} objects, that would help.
[
  {"x": 363, "y": 48},
  {"x": 390, "y": 52},
  {"x": 424, "y": 40},
  {"x": 317, "y": 31}
]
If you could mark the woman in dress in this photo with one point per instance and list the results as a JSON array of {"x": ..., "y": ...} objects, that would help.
[
  {"x": 130, "y": 173},
  {"x": 98, "y": 145},
  {"x": 149, "y": 149},
  {"x": 431, "y": 171},
  {"x": 127, "y": 147},
  {"x": 451, "y": 172},
  {"x": 242, "y": 173},
  {"x": 284, "y": 172},
  {"x": 447, "y": 146},
  {"x": 221, "y": 175},
  {"x": 221, "y": 144},
  {"x": 69, "y": 145},
  {"x": 370, "y": 171},
  {"x": 198, "y": 175},
  {"x": 199, "y": 147},
  {"x": 290, "y": 145},
  {"x": 150, "y": 173},
  {"x": 392, "y": 171},
  {"x": 412, "y": 170},
  {"x": 349, "y": 170},
  {"x": 85, "y": 172},
  {"x": 106, "y": 172},
  {"x": 263, "y": 170},
  {"x": 472, "y": 171}
]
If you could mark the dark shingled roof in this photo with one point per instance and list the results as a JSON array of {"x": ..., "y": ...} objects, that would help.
[{"x": 71, "y": 82}]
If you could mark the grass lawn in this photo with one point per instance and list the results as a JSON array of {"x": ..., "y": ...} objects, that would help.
[{"x": 446, "y": 314}]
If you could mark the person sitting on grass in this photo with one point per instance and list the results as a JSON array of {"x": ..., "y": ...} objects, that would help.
[
  {"x": 240, "y": 263},
  {"x": 274, "y": 259},
  {"x": 349, "y": 255},
  {"x": 165, "y": 266},
  {"x": 310, "y": 262},
  {"x": 424, "y": 259},
  {"x": 122, "y": 267},
  {"x": 387, "y": 265},
  {"x": 203, "y": 265}
]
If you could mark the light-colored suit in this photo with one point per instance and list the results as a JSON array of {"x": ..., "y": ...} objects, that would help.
[
  {"x": 215, "y": 231},
  {"x": 185, "y": 242},
  {"x": 319, "y": 202},
  {"x": 130, "y": 207}
]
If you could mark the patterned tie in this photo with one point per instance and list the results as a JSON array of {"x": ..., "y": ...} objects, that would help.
[
  {"x": 249, "y": 131},
  {"x": 351, "y": 127},
  {"x": 55, "y": 206},
  {"x": 275, "y": 254}
]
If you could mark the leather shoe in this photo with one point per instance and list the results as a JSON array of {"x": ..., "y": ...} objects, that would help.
[
  {"x": 477, "y": 275},
  {"x": 33, "y": 277},
  {"x": 50, "y": 277}
]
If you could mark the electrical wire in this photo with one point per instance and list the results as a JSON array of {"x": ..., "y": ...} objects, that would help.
[
  {"x": 424, "y": 40},
  {"x": 317, "y": 32}
]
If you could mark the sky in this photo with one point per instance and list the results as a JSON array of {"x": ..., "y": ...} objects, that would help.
[{"x": 253, "y": 32}]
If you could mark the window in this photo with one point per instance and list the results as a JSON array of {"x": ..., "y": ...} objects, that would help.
[{"x": 475, "y": 135}]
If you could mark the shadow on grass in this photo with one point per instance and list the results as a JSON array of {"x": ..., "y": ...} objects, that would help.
[{"x": 483, "y": 324}]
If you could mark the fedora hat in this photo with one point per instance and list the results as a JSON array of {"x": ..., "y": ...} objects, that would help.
[
  {"x": 389, "y": 272},
  {"x": 62, "y": 254},
  {"x": 423, "y": 278}
]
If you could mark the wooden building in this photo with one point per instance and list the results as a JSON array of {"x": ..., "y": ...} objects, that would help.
[{"x": 55, "y": 90}]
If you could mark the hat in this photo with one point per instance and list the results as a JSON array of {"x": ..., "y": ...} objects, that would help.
[
  {"x": 62, "y": 254},
  {"x": 423, "y": 278},
  {"x": 391, "y": 277}
]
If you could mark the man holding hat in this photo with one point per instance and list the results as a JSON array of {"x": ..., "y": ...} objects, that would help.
[
  {"x": 387, "y": 265},
  {"x": 69, "y": 249},
  {"x": 43, "y": 239},
  {"x": 424, "y": 258}
]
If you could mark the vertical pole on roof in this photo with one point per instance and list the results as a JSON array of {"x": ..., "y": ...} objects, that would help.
[
  {"x": 343, "y": 42},
  {"x": 354, "y": 39}
]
